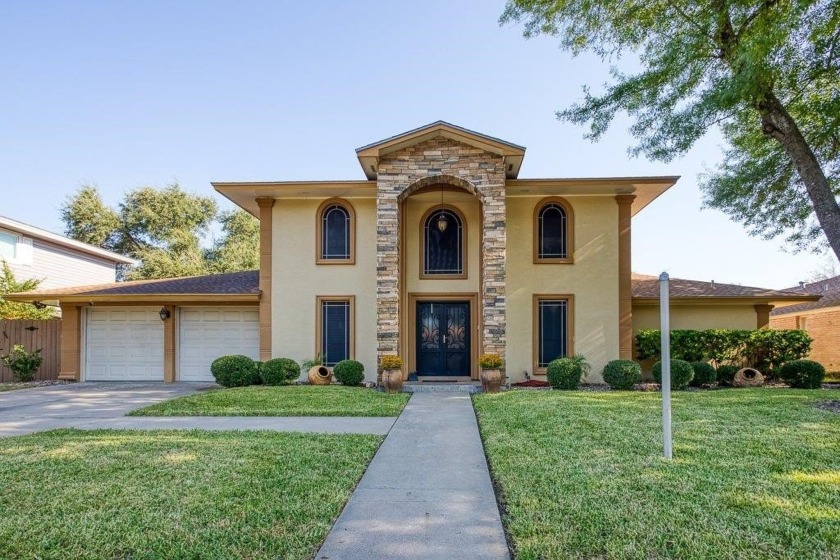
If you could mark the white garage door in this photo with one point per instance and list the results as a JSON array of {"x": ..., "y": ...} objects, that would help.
[
  {"x": 205, "y": 333},
  {"x": 124, "y": 344}
]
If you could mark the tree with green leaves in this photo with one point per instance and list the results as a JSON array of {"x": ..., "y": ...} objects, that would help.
[
  {"x": 15, "y": 309},
  {"x": 766, "y": 72},
  {"x": 166, "y": 230}
]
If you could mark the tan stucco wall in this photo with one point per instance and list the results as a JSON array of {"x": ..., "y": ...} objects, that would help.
[
  {"x": 592, "y": 279},
  {"x": 696, "y": 317},
  {"x": 297, "y": 280},
  {"x": 415, "y": 208}
]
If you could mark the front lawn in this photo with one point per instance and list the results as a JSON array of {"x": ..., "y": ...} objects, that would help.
[
  {"x": 165, "y": 494},
  {"x": 756, "y": 474},
  {"x": 289, "y": 400}
]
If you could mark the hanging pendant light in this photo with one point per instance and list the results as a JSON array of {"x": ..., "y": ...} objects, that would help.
[{"x": 442, "y": 222}]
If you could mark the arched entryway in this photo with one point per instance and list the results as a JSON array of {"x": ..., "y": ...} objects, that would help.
[{"x": 441, "y": 233}]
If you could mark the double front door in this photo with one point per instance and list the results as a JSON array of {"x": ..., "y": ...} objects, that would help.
[{"x": 443, "y": 338}]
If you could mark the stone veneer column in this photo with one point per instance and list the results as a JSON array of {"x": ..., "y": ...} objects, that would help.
[
  {"x": 494, "y": 271},
  {"x": 387, "y": 269},
  {"x": 625, "y": 285},
  {"x": 266, "y": 224}
]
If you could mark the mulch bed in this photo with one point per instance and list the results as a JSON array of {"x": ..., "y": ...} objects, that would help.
[{"x": 534, "y": 383}]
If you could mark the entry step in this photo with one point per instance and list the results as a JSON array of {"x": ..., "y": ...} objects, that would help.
[{"x": 452, "y": 387}]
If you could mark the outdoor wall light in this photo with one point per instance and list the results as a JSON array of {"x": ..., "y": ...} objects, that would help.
[
  {"x": 164, "y": 314},
  {"x": 442, "y": 222}
]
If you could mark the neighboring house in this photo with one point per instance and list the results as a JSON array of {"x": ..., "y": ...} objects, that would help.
[
  {"x": 442, "y": 253},
  {"x": 56, "y": 260},
  {"x": 821, "y": 319}
]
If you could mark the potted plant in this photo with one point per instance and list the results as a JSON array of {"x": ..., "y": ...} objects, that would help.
[
  {"x": 392, "y": 377},
  {"x": 491, "y": 372}
]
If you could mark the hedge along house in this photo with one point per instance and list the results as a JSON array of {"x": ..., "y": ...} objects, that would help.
[{"x": 440, "y": 254}]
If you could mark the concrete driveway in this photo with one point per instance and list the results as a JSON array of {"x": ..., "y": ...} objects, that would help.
[{"x": 81, "y": 405}]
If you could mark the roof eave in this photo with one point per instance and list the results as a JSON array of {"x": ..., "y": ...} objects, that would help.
[
  {"x": 135, "y": 298},
  {"x": 727, "y": 300}
]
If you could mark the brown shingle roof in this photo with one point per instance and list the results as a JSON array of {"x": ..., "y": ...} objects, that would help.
[
  {"x": 246, "y": 282},
  {"x": 646, "y": 286},
  {"x": 829, "y": 289}
]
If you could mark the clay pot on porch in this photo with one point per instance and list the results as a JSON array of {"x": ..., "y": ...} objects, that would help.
[
  {"x": 392, "y": 380},
  {"x": 491, "y": 380},
  {"x": 391, "y": 377},
  {"x": 320, "y": 375},
  {"x": 491, "y": 372}
]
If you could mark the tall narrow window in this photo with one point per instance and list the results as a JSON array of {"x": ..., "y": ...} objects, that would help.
[
  {"x": 335, "y": 329},
  {"x": 443, "y": 243},
  {"x": 335, "y": 233},
  {"x": 553, "y": 232},
  {"x": 552, "y": 329}
]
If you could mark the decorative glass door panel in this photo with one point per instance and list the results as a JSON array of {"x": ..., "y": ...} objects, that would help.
[{"x": 443, "y": 338}]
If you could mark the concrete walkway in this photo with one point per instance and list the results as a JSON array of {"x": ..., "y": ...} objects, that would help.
[
  {"x": 94, "y": 406},
  {"x": 426, "y": 494}
]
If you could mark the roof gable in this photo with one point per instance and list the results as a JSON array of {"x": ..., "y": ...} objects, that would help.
[{"x": 369, "y": 155}]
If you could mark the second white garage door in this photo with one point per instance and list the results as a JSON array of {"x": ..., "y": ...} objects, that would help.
[
  {"x": 123, "y": 344},
  {"x": 205, "y": 333}
]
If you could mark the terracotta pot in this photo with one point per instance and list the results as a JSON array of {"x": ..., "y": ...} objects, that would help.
[
  {"x": 392, "y": 380},
  {"x": 491, "y": 380},
  {"x": 320, "y": 375},
  {"x": 748, "y": 377}
]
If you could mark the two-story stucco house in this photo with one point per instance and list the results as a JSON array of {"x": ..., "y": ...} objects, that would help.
[
  {"x": 439, "y": 254},
  {"x": 56, "y": 260}
]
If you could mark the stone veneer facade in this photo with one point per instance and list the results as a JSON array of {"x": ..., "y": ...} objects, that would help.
[{"x": 434, "y": 162}]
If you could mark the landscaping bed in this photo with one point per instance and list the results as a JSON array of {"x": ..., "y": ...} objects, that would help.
[
  {"x": 285, "y": 400},
  {"x": 132, "y": 494},
  {"x": 580, "y": 474},
  {"x": 15, "y": 385}
]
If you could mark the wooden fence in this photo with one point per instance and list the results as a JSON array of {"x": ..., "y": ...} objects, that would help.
[{"x": 45, "y": 335}]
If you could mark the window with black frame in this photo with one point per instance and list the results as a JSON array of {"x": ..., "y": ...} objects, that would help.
[
  {"x": 443, "y": 244},
  {"x": 335, "y": 331},
  {"x": 335, "y": 233},
  {"x": 552, "y": 330}
]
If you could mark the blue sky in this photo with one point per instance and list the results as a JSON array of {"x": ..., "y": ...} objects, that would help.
[{"x": 130, "y": 93}]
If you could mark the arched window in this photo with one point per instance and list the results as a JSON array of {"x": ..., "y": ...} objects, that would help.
[
  {"x": 443, "y": 243},
  {"x": 553, "y": 232},
  {"x": 335, "y": 233}
]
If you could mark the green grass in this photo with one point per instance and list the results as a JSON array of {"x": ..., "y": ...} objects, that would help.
[
  {"x": 166, "y": 494},
  {"x": 756, "y": 474},
  {"x": 290, "y": 400}
]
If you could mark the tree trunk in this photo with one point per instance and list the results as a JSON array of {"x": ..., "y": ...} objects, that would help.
[{"x": 778, "y": 124}]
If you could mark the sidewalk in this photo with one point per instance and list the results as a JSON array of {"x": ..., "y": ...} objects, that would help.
[{"x": 426, "y": 494}]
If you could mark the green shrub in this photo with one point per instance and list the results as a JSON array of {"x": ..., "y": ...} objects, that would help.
[
  {"x": 258, "y": 380},
  {"x": 704, "y": 374},
  {"x": 23, "y": 364},
  {"x": 566, "y": 373},
  {"x": 349, "y": 372},
  {"x": 279, "y": 371},
  {"x": 681, "y": 374},
  {"x": 726, "y": 374},
  {"x": 803, "y": 374},
  {"x": 234, "y": 371},
  {"x": 763, "y": 349},
  {"x": 622, "y": 374}
]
